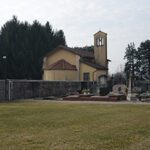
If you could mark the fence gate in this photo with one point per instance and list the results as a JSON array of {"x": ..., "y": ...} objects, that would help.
[{"x": 2, "y": 90}]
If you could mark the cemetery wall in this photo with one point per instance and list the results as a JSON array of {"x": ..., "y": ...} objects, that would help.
[{"x": 24, "y": 89}]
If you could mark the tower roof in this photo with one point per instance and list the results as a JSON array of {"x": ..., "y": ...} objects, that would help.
[{"x": 100, "y": 32}]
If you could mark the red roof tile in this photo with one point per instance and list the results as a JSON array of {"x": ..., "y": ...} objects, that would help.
[{"x": 61, "y": 65}]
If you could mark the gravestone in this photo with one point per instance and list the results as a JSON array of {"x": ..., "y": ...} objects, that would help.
[{"x": 120, "y": 89}]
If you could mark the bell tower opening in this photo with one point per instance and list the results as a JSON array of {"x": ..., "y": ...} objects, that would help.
[{"x": 99, "y": 41}]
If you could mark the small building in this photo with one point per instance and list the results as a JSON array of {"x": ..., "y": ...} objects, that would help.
[{"x": 65, "y": 63}]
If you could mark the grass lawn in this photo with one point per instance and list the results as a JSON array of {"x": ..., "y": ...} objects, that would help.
[{"x": 73, "y": 126}]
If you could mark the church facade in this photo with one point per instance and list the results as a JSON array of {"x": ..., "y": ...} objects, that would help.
[{"x": 64, "y": 63}]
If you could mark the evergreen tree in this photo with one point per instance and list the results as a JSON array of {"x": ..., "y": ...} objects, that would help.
[
  {"x": 131, "y": 61},
  {"x": 86, "y": 48},
  {"x": 60, "y": 38},
  {"x": 25, "y": 45},
  {"x": 119, "y": 78},
  {"x": 144, "y": 59}
]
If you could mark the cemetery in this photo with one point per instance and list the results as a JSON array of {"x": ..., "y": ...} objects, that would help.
[
  {"x": 55, "y": 97},
  {"x": 11, "y": 90},
  {"x": 75, "y": 75}
]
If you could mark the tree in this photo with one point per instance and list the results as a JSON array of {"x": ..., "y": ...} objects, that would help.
[
  {"x": 144, "y": 59},
  {"x": 131, "y": 60},
  {"x": 59, "y": 37},
  {"x": 119, "y": 78},
  {"x": 25, "y": 45},
  {"x": 86, "y": 48}
]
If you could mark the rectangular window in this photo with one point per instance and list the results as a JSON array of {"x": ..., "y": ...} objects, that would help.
[{"x": 86, "y": 76}]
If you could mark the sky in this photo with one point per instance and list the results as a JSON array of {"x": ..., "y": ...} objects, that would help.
[{"x": 124, "y": 21}]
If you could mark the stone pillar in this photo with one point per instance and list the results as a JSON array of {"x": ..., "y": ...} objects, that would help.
[{"x": 129, "y": 89}]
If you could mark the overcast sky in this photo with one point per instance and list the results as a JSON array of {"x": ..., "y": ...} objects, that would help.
[{"x": 124, "y": 21}]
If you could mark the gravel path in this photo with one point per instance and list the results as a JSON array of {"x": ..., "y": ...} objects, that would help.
[{"x": 93, "y": 102}]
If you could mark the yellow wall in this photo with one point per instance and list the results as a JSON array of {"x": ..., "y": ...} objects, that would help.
[
  {"x": 94, "y": 73},
  {"x": 61, "y": 54},
  {"x": 69, "y": 74},
  {"x": 63, "y": 75},
  {"x": 100, "y": 72},
  {"x": 85, "y": 68}
]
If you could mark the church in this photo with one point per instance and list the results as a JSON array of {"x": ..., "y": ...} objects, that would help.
[{"x": 72, "y": 64}]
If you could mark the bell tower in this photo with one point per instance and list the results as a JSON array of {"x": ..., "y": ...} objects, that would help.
[{"x": 100, "y": 48}]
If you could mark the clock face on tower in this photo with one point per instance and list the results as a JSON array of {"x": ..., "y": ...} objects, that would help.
[{"x": 99, "y": 41}]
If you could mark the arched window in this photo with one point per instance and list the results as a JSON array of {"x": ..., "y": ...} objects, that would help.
[{"x": 102, "y": 80}]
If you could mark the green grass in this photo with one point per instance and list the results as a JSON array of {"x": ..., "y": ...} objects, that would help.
[{"x": 66, "y": 126}]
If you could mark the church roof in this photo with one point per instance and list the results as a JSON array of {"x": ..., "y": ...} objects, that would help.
[
  {"x": 92, "y": 64},
  {"x": 80, "y": 52},
  {"x": 61, "y": 65},
  {"x": 86, "y": 57}
]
